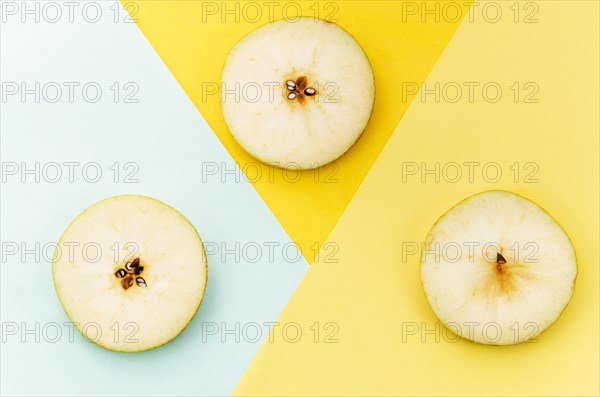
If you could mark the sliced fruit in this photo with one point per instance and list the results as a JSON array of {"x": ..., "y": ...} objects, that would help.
[
  {"x": 130, "y": 271},
  {"x": 297, "y": 94},
  {"x": 498, "y": 269}
]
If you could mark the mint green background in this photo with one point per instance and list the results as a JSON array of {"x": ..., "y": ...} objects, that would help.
[{"x": 167, "y": 137}]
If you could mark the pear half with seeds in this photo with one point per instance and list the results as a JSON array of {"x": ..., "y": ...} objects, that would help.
[
  {"x": 130, "y": 272},
  {"x": 498, "y": 269},
  {"x": 297, "y": 93}
]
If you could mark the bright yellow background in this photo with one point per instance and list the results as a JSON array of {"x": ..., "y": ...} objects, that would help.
[
  {"x": 193, "y": 41},
  {"x": 371, "y": 291}
]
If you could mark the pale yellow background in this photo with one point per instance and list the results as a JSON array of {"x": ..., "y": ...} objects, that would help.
[
  {"x": 193, "y": 38},
  {"x": 371, "y": 291}
]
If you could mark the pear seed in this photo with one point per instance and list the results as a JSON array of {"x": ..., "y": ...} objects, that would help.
[
  {"x": 500, "y": 259},
  {"x": 134, "y": 263},
  {"x": 127, "y": 282}
]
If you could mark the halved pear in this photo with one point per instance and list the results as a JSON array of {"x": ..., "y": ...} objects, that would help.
[
  {"x": 130, "y": 271},
  {"x": 498, "y": 269},
  {"x": 297, "y": 94}
]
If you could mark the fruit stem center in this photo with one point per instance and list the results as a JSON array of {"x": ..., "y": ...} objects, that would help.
[
  {"x": 298, "y": 90},
  {"x": 499, "y": 262},
  {"x": 130, "y": 273}
]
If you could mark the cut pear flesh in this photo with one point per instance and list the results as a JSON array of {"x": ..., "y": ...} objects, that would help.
[
  {"x": 297, "y": 94},
  {"x": 130, "y": 272},
  {"x": 498, "y": 269}
]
